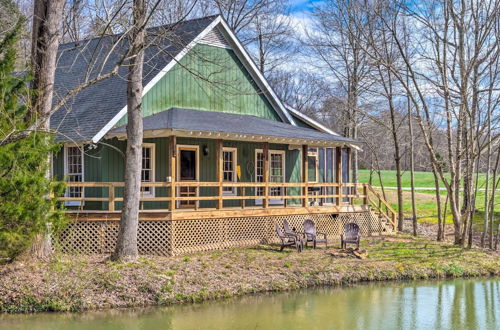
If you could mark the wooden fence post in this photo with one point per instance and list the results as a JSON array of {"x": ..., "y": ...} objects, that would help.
[
  {"x": 220, "y": 175},
  {"x": 305, "y": 175},
  {"x": 111, "y": 196},
  {"x": 339, "y": 175},
  {"x": 265, "y": 200},
  {"x": 172, "y": 170}
]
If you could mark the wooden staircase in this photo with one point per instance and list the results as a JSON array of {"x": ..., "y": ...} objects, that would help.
[{"x": 381, "y": 207}]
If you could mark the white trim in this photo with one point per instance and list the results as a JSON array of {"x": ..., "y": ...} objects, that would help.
[
  {"x": 257, "y": 73},
  {"x": 272, "y": 201},
  {"x": 65, "y": 169},
  {"x": 310, "y": 121},
  {"x": 196, "y": 148},
  {"x": 208, "y": 43},
  {"x": 220, "y": 44},
  {"x": 234, "y": 190},
  {"x": 152, "y": 146},
  {"x": 157, "y": 78}
]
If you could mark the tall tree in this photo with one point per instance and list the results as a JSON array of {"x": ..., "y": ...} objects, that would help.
[
  {"x": 47, "y": 16},
  {"x": 335, "y": 41},
  {"x": 448, "y": 82},
  {"x": 25, "y": 210},
  {"x": 126, "y": 244}
]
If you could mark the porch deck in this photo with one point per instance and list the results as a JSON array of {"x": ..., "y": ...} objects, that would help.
[{"x": 172, "y": 230}]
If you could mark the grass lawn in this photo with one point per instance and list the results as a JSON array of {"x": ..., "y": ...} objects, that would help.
[
  {"x": 79, "y": 282},
  {"x": 422, "y": 179},
  {"x": 426, "y": 199}
]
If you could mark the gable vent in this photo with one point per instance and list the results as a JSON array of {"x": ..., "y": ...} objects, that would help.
[{"x": 215, "y": 38}]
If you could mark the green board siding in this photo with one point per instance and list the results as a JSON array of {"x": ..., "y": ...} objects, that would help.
[
  {"x": 107, "y": 164},
  {"x": 58, "y": 165},
  {"x": 208, "y": 78}
]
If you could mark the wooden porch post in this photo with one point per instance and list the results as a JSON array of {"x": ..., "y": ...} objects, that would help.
[
  {"x": 111, "y": 195},
  {"x": 265, "y": 200},
  {"x": 220, "y": 175},
  {"x": 339, "y": 175},
  {"x": 305, "y": 175},
  {"x": 365, "y": 194},
  {"x": 350, "y": 190},
  {"x": 172, "y": 147}
]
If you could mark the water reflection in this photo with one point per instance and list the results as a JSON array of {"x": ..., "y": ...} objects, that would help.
[{"x": 460, "y": 304}]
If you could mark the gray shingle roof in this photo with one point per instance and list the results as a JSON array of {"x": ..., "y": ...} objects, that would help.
[
  {"x": 199, "y": 120},
  {"x": 91, "y": 109}
]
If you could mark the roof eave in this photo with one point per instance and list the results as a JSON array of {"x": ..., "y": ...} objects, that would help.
[{"x": 164, "y": 132}]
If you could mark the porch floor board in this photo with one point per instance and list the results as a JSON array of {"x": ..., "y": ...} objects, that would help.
[{"x": 207, "y": 213}]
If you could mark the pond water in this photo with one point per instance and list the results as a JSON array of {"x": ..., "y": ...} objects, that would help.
[{"x": 459, "y": 304}]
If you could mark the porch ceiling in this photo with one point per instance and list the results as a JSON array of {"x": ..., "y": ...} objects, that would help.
[{"x": 218, "y": 125}]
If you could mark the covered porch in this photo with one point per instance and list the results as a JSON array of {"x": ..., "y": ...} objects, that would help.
[{"x": 224, "y": 179}]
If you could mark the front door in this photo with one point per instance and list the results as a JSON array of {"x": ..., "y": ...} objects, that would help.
[{"x": 187, "y": 169}]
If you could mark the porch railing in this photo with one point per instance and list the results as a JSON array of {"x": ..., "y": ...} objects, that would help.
[{"x": 290, "y": 193}]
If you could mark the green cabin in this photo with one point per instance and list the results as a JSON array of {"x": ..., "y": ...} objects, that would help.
[{"x": 220, "y": 152}]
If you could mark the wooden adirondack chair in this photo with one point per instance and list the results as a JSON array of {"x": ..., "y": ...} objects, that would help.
[
  {"x": 288, "y": 240},
  {"x": 311, "y": 234},
  {"x": 288, "y": 231},
  {"x": 350, "y": 235}
]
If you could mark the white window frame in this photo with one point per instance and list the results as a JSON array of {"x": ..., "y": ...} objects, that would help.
[
  {"x": 233, "y": 190},
  {"x": 152, "y": 146},
  {"x": 272, "y": 201},
  {"x": 66, "y": 172}
]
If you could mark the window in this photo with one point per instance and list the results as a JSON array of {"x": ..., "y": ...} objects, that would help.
[
  {"x": 73, "y": 170},
  {"x": 276, "y": 173},
  {"x": 259, "y": 171},
  {"x": 148, "y": 168},
  {"x": 229, "y": 161},
  {"x": 312, "y": 165}
]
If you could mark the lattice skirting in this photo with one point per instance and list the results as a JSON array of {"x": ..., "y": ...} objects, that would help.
[{"x": 187, "y": 236}]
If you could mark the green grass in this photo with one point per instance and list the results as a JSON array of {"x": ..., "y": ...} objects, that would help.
[
  {"x": 425, "y": 199},
  {"x": 422, "y": 179}
]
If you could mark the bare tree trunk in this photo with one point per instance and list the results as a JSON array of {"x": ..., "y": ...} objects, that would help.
[
  {"x": 126, "y": 245},
  {"x": 486, "y": 191},
  {"x": 443, "y": 226},
  {"x": 412, "y": 173},
  {"x": 47, "y": 16},
  {"x": 440, "y": 233},
  {"x": 492, "y": 203}
]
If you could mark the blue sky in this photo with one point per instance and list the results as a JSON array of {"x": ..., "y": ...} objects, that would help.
[{"x": 302, "y": 6}]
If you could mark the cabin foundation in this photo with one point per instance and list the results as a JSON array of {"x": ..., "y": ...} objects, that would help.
[{"x": 184, "y": 236}]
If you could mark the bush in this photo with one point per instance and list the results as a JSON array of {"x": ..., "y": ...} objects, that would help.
[{"x": 25, "y": 203}]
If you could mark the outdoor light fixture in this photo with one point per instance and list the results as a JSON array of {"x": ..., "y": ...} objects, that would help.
[{"x": 205, "y": 150}]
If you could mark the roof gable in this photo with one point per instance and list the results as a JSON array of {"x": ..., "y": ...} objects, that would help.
[
  {"x": 91, "y": 111},
  {"x": 98, "y": 108},
  {"x": 208, "y": 78}
]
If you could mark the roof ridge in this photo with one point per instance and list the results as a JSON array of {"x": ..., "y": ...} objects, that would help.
[{"x": 77, "y": 42}]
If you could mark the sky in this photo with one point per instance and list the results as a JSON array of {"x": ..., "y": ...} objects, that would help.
[{"x": 302, "y": 6}]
